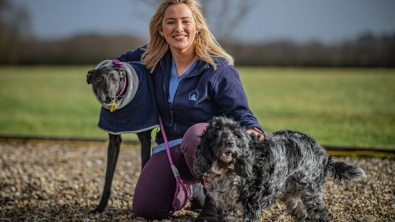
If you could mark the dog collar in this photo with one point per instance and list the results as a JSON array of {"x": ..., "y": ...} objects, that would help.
[
  {"x": 125, "y": 82},
  {"x": 117, "y": 63},
  {"x": 114, "y": 103}
]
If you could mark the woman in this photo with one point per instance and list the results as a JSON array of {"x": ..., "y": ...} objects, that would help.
[{"x": 194, "y": 81}]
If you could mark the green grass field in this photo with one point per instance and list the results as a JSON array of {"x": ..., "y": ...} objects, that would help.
[{"x": 339, "y": 107}]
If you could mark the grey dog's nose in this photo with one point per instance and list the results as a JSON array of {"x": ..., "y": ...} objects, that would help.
[{"x": 108, "y": 99}]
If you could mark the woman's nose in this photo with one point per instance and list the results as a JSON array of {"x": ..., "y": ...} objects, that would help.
[{"x": 179, "y": 26}]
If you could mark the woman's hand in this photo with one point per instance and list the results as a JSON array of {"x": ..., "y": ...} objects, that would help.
[{"x": 257, "y": 132}]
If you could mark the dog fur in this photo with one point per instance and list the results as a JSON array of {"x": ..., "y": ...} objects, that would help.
[
  {"x": 107, "y": 82},
  {"x": 248, "y": 175}
]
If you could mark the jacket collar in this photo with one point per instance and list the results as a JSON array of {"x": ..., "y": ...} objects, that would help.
[{"x": 165, "y": 64}]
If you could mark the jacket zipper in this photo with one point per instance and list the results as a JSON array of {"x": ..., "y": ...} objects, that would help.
[
  {"x": 172, "y": 117},
  {"x": 171, "y": 109},
  {"x": 166, "y": 100},
  {"x": 173, "y": 121}
]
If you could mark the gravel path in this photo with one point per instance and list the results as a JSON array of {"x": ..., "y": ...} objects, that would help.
[{"x": 59, "y": 181}]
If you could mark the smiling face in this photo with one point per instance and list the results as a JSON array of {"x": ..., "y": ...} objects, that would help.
[{"x": 179, "y": 28}]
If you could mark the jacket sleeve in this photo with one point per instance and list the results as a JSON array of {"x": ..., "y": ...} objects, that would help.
[
  {"x": 132, "y": 55},
  {"x": 230, "y": 96}
]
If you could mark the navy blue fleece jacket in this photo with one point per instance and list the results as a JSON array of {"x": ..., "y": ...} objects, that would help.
[{"x": 203, "y": 94}]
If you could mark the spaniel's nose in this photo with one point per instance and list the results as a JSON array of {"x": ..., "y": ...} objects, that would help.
[{"x": 229, "y": 142}]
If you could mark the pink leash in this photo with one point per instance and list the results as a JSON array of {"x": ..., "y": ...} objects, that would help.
[
  {"x": 116, "y": 62},
  {"x": 124, "y": 86},
  {"x": 176, "y": 205}
]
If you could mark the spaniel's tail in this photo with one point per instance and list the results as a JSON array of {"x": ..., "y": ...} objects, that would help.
[{"x": 343, "y": 172}]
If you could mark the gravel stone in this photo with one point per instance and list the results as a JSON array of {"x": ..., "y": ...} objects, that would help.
[{"x": 63, "y": 181}]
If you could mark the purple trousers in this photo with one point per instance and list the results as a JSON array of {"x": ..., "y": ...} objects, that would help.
[{"x": 156, "y": 185}]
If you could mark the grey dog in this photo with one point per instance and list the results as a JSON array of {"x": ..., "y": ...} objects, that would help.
[
  {"x": 248, "y": 175},
  {"x": 125, "y": 92}
]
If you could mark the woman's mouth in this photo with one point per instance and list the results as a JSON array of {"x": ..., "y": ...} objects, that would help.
[{"x": 179, "y": 37}]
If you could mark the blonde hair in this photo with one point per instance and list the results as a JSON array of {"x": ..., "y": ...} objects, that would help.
[{"x": 206, "y": 46}]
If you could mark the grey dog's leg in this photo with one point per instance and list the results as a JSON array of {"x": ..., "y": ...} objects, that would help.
[
  {"x": 295, "y": 207},
  {"x": 114, "y": 145},
  {"x": 145, "y": 142},
  {"x": 228, "y": 216},
  {"x": 313, "y": 200},
  {"x": 252, "y": 214}
]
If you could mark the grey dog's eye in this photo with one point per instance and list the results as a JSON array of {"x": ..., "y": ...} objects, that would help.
[
  {"x": 100, "y": 79},
  {"x": 115, "y": 79}
]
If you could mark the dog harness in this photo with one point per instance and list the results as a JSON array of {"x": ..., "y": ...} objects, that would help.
[{"x": 136, "y": 110}]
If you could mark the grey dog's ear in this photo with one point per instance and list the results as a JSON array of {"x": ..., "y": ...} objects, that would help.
[
  {"x": 121, "y": 73},
  {"x": 89, "y": 76}
]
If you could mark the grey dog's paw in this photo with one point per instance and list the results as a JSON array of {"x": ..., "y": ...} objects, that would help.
[{"x": 228, "y": 216}]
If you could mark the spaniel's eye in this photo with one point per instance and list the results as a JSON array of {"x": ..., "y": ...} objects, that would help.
[{"x": 99, "y": 80}]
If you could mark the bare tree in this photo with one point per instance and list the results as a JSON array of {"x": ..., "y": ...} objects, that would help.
[
  {"x": 15, "y": 29},
  {"x": 223, "y": 16}
]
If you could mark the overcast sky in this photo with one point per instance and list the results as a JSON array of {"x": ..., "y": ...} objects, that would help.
[{"x": 300, "y": 20}]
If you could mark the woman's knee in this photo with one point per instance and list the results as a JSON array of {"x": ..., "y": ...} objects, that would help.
[
  {"x": 189, "y": 144},
  {"x": 192, "y": 135}
]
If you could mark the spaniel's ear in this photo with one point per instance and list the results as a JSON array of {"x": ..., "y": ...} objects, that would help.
[
  {"x": 241, "y": 134},
  {"x": 213, "y": 126},
  {"x": 244, "y": 162},
  {"x": 243, "y": 167},
  {"x": 203, "y": 156}
]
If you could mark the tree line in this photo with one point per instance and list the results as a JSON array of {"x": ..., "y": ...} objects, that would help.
[
  {"x": 19, "y": 47},
  {"x": 365, "y": 51}
]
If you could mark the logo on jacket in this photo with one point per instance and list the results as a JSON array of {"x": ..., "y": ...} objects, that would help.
[{"x": 193, "y": 96}]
